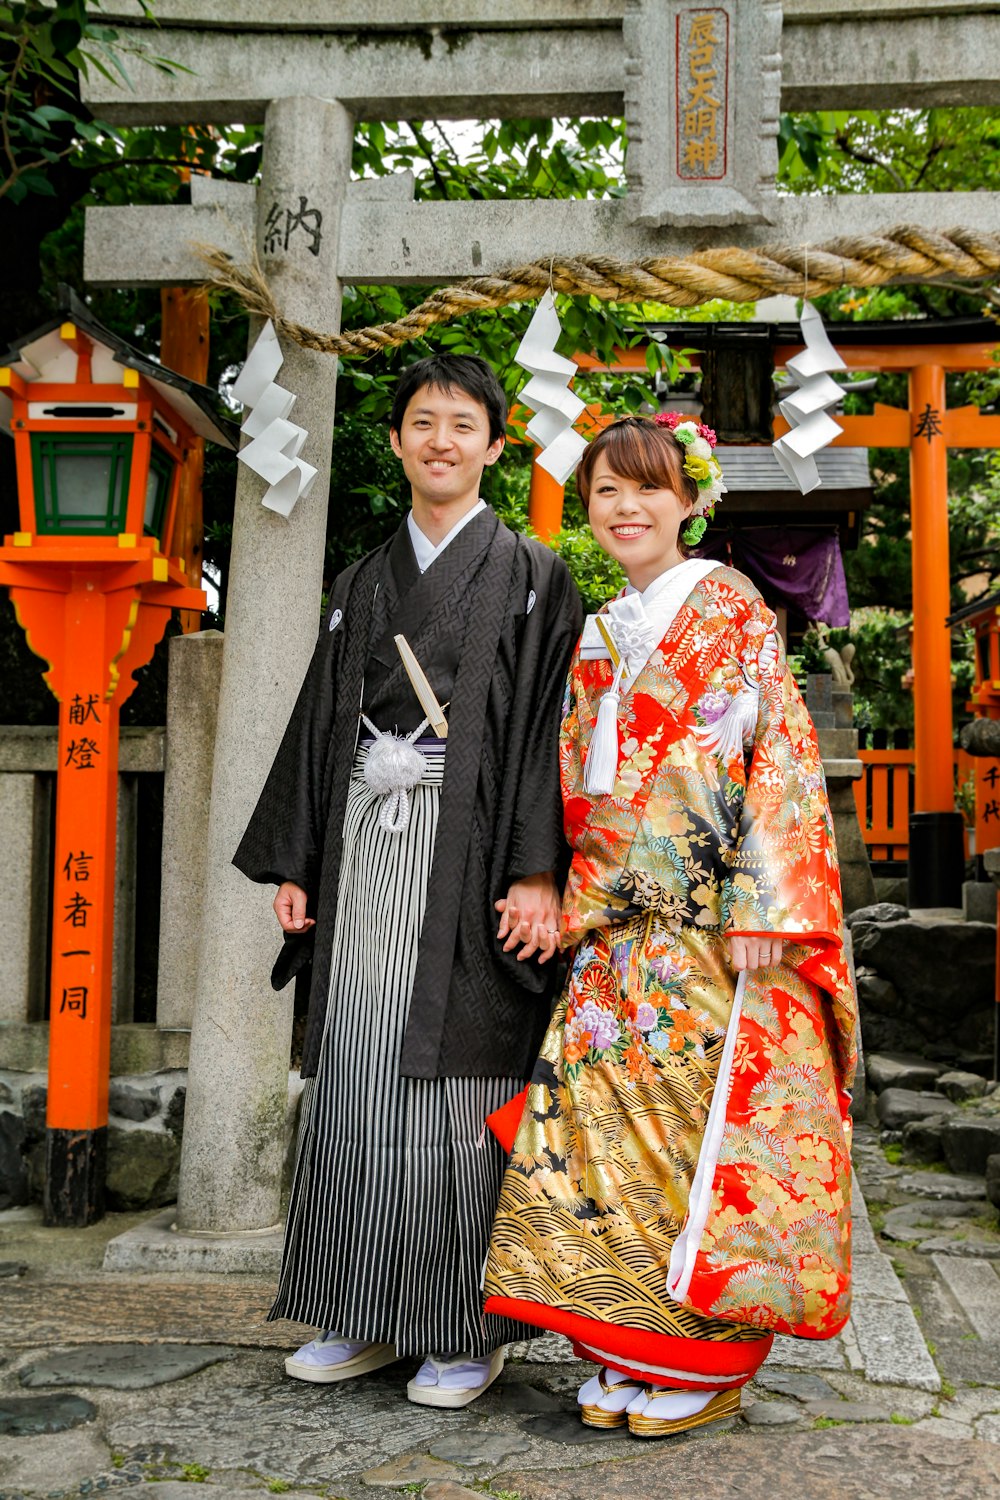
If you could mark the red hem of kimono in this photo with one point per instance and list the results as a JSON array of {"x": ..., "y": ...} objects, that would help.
[{"x": 694, "y": 1364}]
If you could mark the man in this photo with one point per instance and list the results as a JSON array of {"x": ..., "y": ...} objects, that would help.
[{"x": 394, "y": 847}]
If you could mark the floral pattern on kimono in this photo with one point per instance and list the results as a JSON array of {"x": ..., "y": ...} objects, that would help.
[{"x": 717, "y": 824}]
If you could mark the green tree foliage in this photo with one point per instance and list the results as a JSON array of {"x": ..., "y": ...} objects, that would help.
[
  {"x": 889, "y": 151},
  {"x": 85, "y": 162},
  {"x": 935, "y": 150}
]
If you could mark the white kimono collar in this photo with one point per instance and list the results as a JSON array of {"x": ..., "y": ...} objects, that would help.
[
  {"x": 424, "y": 550},
  {"x": 659, "y": 603}
]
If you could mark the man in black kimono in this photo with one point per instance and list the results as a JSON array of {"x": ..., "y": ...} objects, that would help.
[{"x": 394, "y": 849}]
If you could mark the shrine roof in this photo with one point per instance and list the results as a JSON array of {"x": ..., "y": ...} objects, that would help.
[
  {"x": 197, "y": 404},
  {"x": 984, "y": 603},
  {"x": 891, "y": 332}
]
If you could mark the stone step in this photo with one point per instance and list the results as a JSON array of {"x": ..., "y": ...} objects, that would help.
[
  {"x": 975, "y": 1286},
  {"x": 888, "y": 1070},
  {"x": 882, "y": 1339},
  {"x": 896, "y": 1107}
]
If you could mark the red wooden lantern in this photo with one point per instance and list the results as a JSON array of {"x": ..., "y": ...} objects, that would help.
[{"x": 101, "y": 434}]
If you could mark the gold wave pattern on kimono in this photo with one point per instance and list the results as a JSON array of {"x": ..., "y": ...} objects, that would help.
[{"x": 601, "y": 1169}]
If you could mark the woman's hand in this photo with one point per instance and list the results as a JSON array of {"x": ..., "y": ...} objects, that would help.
[
  {"x": 755, "y": 952},
  {"x": 290, "y": 908},
  {"x": 529, "y": 914}
]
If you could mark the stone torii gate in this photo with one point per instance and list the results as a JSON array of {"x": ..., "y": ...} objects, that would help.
[{"x": 701, "y": 87}]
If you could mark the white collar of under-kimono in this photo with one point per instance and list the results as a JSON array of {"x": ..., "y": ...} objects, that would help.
[
  {"x": 426, "y": 551},
  {"x": 638, "y": 621}
]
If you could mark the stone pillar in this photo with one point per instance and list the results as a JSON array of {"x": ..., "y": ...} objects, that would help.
[
  {"x": 126, "y": 855},
  {"x": 25, "y": 804},
  {"x": 833, "y": 714},
  {"x": 241, "y": 1032},
  {"x": 192, "y": 713},
  {"x": 991, "y": 864}
]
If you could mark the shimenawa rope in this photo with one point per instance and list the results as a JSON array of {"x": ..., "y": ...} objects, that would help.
[{"x": 906, "y": 252}]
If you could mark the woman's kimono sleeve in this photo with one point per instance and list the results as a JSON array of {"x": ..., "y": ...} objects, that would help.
[{"x": 783, "y": 878}]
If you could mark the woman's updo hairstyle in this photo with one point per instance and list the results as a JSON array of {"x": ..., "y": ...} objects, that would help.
[{"x": 639, "y": 449}]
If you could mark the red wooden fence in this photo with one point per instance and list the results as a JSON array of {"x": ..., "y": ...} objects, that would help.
[{"x": 884, "y": 799}]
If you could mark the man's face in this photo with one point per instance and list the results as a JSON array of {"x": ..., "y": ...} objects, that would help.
[{"x": 444, "y": 445}]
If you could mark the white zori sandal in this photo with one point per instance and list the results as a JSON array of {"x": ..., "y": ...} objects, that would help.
[
  {"x": 331, "y": 1357},
  {"x": 602, "y": 1401},
  {"x": 454, "y": 1380}
]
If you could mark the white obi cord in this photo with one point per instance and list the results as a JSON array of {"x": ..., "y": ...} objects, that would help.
[
  {"x": 688, "y": 1242},
  {"x": 392, "y": 766}
]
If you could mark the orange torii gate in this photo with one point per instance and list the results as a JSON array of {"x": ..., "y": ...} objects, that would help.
[{"x": 927, "y": 352}]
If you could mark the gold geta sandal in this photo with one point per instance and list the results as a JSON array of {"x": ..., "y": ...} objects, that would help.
[{"x": 722, "y": 1404}]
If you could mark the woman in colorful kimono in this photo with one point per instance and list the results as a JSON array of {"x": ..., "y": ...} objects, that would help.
[{"x": 679, "y": 1185}]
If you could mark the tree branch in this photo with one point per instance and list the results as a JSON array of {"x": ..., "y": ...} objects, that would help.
[
  {"x": 428, "y": 152},
  {"x": 868, "y": 158}
]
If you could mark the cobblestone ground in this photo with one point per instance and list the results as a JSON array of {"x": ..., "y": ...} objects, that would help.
[{"x": 171, "y": 1387}]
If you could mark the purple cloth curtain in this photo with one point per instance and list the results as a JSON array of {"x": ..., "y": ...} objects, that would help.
[{"x": 800, "y": 568}]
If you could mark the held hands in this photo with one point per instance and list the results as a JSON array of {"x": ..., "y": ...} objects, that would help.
[
  {"x": 755, "y": 952},
  {"x": 529, "y": 914},
  {"x": 290, "y": 908}
]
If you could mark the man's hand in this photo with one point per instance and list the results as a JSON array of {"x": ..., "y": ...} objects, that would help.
[
  {"x": 529, "y": 914},
  {"x": 755, "y": 952},
  {"x": 290, "y": 908}
]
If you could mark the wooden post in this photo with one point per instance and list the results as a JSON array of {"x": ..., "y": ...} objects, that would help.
[
  {"x": 545, "y": 502},
  {"x": 95, "y": 634},
  {"x": 184, "y": 348},
  {"x": 82, "y": 927},
  {"x": 936, "y": 863},
  {"x": 932, "y": 711}
]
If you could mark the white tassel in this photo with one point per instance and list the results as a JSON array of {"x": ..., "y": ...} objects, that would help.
[
  {"x": 602, "y": 758},
  {"x": 393, "y": 766}
]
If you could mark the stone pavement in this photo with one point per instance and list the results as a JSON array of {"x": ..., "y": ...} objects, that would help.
[{"x": 166, "y": 1387}]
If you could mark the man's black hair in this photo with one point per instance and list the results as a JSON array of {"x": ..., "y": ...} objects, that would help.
[{"x": 445, "y": 372}]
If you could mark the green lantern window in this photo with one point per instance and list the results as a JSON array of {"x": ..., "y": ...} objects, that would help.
[
  {"x": 158, "y": 481},
  {"x": 81, "y": 482}
]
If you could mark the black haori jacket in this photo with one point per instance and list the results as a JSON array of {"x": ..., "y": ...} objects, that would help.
[{"x": 493, "y": 622}]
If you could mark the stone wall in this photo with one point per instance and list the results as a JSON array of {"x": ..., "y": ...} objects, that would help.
[
  {"x": 145, "y": 1126},
  {"x": 925, "y": 986},
  {"x": 145, "y": 1119}
]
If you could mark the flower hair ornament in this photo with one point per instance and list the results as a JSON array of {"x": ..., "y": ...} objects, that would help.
[{"x": 700, "y": 464}]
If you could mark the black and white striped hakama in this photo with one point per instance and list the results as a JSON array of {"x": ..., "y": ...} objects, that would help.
[{"x": 395, "y": 1186}]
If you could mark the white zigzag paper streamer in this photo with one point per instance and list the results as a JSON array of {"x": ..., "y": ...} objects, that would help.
[
  {"x": 548, "y": 394},
  {"x": 805, "y": 409},
  {"x": 276, "y": 443}
]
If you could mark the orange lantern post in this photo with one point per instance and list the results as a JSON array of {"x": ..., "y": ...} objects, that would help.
[{"x": 101, "y": 437}]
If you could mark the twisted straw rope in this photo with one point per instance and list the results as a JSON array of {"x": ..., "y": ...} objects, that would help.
[{"x": 906, "y": 252}]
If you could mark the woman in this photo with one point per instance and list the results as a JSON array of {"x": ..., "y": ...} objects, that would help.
[{"x": 679, "y": 1186}]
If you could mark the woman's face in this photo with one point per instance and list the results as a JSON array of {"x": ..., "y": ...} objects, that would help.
[{"x": 636, "y": 523}]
